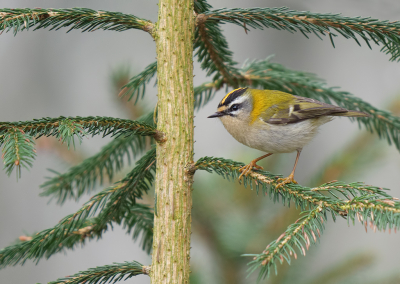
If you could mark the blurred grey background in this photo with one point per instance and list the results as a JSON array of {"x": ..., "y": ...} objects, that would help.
[{"x": 51, "y": 73}]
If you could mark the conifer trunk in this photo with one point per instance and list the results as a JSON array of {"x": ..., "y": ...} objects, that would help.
[{"x": 172, "y": 221}]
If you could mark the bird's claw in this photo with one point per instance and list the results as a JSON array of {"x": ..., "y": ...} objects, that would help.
[
  {"x": 283, "y": 181},
  {"x": 245, "y": 170}
]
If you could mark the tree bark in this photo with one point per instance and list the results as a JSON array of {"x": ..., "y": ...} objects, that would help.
[{"x": 172, "y": 221}]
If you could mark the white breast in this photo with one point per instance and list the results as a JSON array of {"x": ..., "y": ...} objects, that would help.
[{"x": 274, "y": 138}]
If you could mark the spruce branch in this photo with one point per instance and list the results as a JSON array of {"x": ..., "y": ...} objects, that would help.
[
  {"x": 115, "y": 204},
  {"x": 211, "y": 47},
  {"x": 84, "y": 177},
  {"x": 302, "y": 233},
  {"x": 105, "y": 274},
  {"x": 118, "y": 200},
  {"x": 62, "y": 236},
  {"x": 137, "y": 84},
  {"x": 50, "y": 241},
  {"x": 65, "y": 128},
  {"x": 273, "y": 76},
  {"x": 384, "y": 33},
  {"x": 67, "y": 131},
  {"x": 17, "y": 20},
  {"x": 369, "y": 205},
  {"x": 213, "y": 53},
  {"x": 18, "y": 150},
  {"x": 201, "y": 6},
  {"x": 364, "y": 203},
  {"x": 139, "y": 220},
  {"x": 305, "y": 231}
]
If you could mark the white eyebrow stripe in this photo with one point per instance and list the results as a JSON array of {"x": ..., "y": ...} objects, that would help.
[{"x": 238, "y": 100}]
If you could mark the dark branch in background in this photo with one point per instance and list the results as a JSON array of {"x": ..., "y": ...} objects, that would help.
[
  {"x": 105, "y": 274},
  {"x": 16, "y": 20},
  {"x": 384, "y": 33},
  {"x": 369, "y": 205},
  {"x": 115, "y": 204},
  {"x": 212, "y": 49},
  {"x": 84, "y": 177},
  {"x": 213, "y": 53}
]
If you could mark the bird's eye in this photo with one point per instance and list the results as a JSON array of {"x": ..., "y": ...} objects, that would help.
[{"x": 234, "y": 107}]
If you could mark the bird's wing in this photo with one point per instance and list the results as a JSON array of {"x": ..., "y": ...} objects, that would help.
[{"x": 299, "y": 109}]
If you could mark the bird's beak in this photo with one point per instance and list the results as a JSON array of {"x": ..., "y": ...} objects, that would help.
[{"x": 217, "y": 114}]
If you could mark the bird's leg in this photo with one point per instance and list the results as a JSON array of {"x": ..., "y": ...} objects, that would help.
[
  {"x": 290, "y": 178},
  {"x": 253, "y": 164}
]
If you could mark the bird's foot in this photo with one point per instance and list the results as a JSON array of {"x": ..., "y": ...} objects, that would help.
[
  {"x": 245, "y": 170},
  {"x": 283, "y": 181}
]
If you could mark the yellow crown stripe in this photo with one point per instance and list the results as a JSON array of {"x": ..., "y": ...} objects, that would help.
[{"x": 224, "y": 99}]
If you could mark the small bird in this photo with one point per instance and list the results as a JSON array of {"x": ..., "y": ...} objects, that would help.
[{"x": 275, "y": 122}]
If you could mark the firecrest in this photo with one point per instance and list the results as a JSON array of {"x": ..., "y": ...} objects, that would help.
[{"x": 274, "y": 122}]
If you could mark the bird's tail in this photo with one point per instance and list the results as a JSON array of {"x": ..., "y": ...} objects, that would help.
[{"x": 352, "y": 113}]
